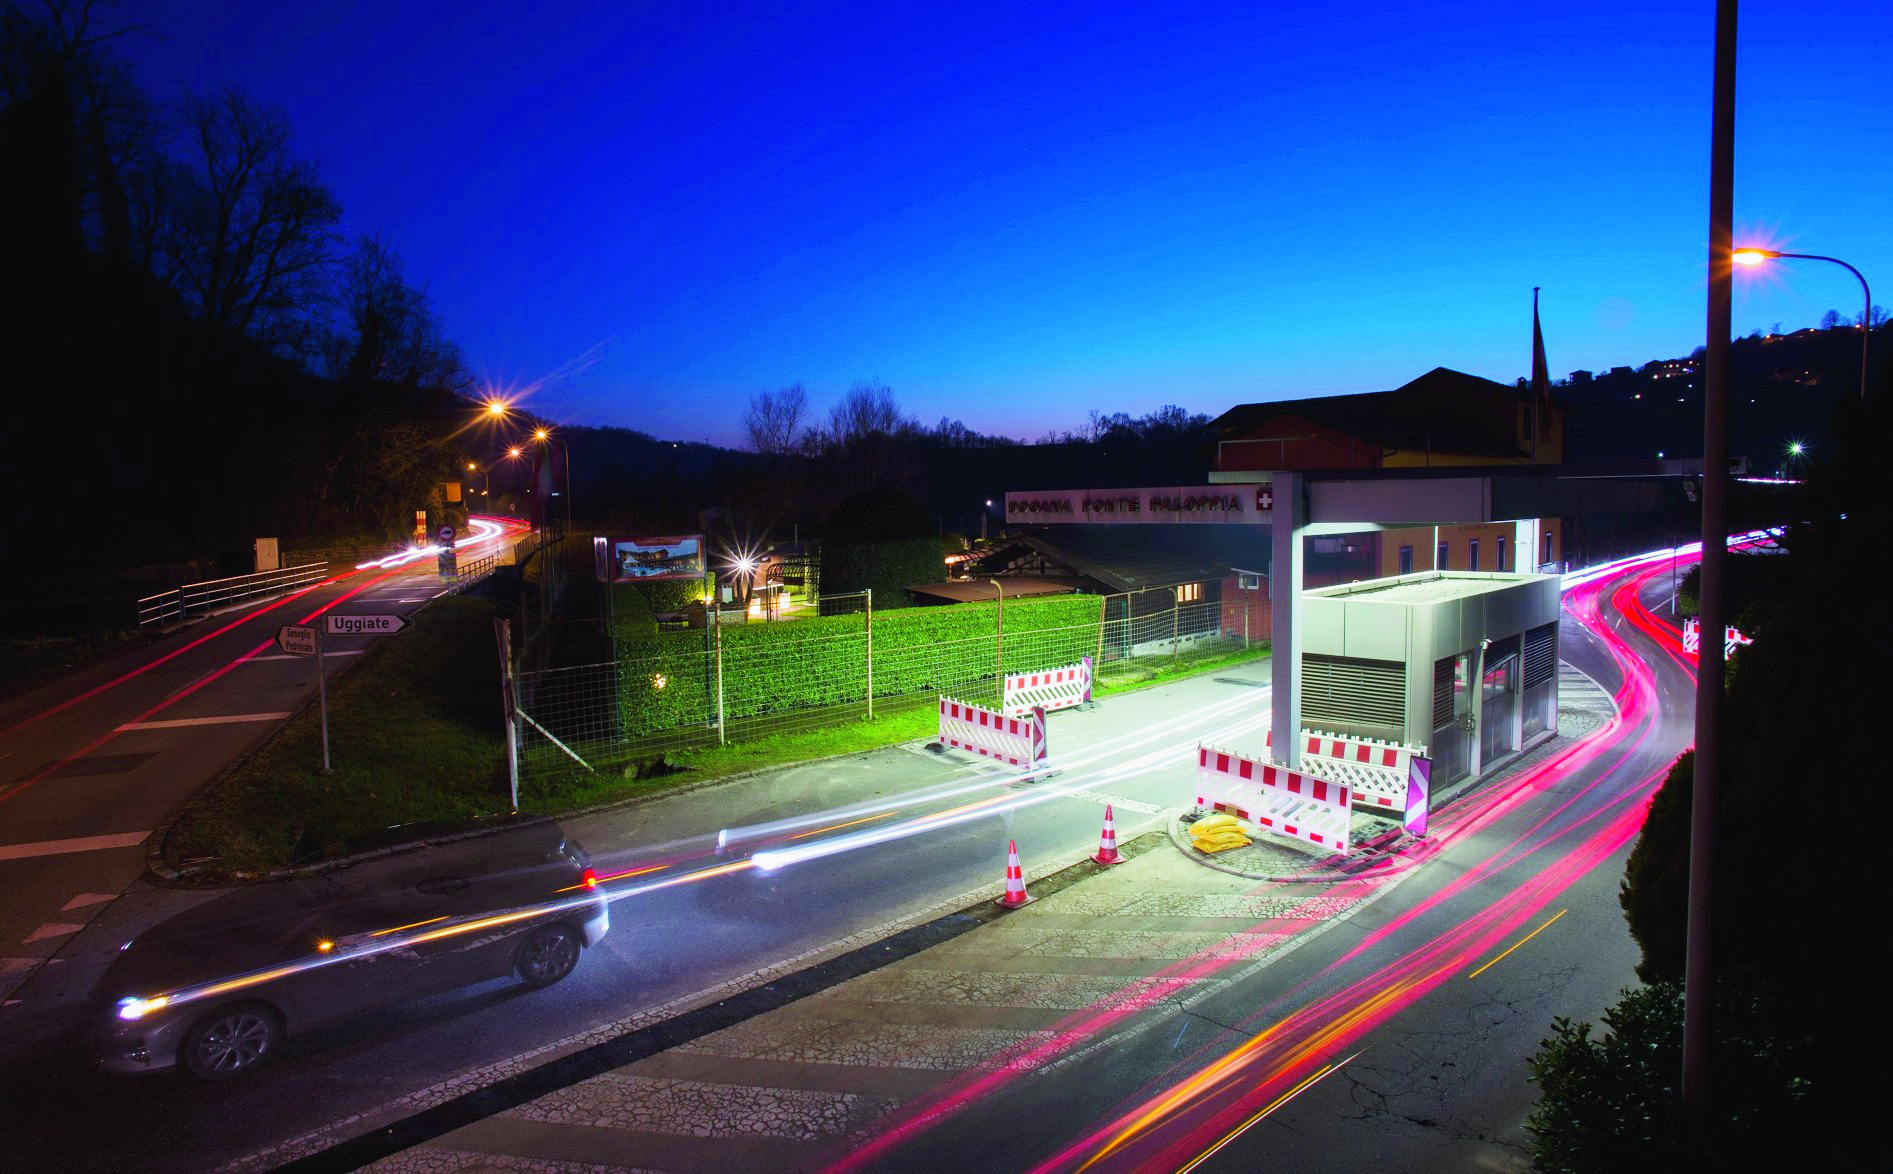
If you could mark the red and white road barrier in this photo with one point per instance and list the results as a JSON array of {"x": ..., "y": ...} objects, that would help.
[
  {"x": 1016, "y": 740},
  {"x": 1273, "y": 797},
  {"x": 1377, "y": 772},
  {"x": 1059, "y": 688},
  {"x": 1732, "y": 637},
  {"x": 1015, "y": 880},
  {"x": 1107, "y": 843}
]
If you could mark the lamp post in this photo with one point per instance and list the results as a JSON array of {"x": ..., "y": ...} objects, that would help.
[
  {"x": 1754, "y": 257},
  {"x": 544, "y": 436}
]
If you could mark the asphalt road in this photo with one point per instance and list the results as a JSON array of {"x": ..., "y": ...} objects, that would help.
[
  {"x": 667, "y": 945},
  {"x": 677, "y": 945},
  {"x": 1411, "y": 1017},
  {"x": 91, "y": 765}
]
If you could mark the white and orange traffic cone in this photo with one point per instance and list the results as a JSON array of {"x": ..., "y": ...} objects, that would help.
[
  {"x": 1015, "y": 880},
  {"x": 1107, "y": 843}
]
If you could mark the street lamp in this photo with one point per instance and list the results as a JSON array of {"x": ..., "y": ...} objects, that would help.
[
  {"x": 1754, "y": 257},
  {"x": 544, "y": 436}
]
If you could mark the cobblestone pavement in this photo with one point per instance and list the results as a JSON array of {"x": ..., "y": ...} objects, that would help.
[{"x": 787, "y": 1089}]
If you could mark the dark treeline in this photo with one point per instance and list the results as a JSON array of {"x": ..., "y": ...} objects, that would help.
[
  {"x": 808, "y": 463},
  {"x": 196, "y": 355},
  {"x": 1782, "y": 388}
]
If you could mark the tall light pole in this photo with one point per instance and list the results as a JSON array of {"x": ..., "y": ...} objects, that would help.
[
  {"x": 1698, "y": 950},
  {"x": 544, "y": 436},
  {"x": 1753, "y": 257}
]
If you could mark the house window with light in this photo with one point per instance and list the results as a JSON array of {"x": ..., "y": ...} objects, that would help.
[{"x": 1189, "y": 592}]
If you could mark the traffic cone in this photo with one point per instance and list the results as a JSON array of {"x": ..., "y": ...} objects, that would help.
[
  {"x": 1015, "y": 880},
  {"x": 1107, "y": 843}
]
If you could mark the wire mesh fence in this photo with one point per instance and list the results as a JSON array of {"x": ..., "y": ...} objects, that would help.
[{"x": 608, "y": 715}]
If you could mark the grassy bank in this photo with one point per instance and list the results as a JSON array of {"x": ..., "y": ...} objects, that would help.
[
  {"x": 415, "y": 736},
  {"x": 28, "y": 662}
]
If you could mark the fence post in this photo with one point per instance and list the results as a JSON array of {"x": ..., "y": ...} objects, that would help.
[
  {"x": 717, "y": 629},
  {"x": 870, "y": 632},
  {"x": 999, "y": 638},
  {"x": 502, "y": 633},
  {"x": 1176, "y": 626},
  {"x": 1245, "y": 623},
  {"x": 1104, "y": 611}
]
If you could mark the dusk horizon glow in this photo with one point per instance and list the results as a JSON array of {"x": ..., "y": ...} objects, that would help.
[{"x": 1015, "y": 216}]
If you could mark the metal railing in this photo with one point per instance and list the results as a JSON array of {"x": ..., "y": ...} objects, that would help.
[
  {"x": 466, "y": 576},
  {"x": 214, "y": 595}
]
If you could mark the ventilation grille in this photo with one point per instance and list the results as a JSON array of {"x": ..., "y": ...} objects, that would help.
[
  {"x": 1500, "y": 650},
  {"x": 1443, "y": 691},
  {"x": 1541, "y": 655},
  {"x": 1342, "y": 691}
]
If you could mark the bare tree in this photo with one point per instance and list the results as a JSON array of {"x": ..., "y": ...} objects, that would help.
[
  {"x": 868, "y": 436},
  {"x": 775, "y": 421},
  {"x": 388, "y": 332},
  {"x": 253, "y": 233}
]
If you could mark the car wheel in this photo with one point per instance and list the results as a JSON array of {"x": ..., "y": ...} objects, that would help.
[
  {"x": 231, "y": 1041},
  {"x": 548, "y": 954}
]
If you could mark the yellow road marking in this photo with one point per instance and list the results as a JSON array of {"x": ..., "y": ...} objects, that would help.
[{"x": 1528, "y": 937}]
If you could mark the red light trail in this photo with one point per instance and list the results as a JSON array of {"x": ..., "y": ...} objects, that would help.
[{"x": 1205, "y": 1109}]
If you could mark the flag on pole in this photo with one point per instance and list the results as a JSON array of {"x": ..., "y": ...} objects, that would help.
[{"x": 1540, "y": 377}]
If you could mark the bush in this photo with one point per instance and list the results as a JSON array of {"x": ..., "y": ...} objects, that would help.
[{"x": 1610, "y": 1105}]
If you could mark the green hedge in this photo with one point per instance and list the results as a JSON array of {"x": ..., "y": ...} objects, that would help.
[
  {"x": 886, "y": 568},
  {"x": 666, "y": 679}
]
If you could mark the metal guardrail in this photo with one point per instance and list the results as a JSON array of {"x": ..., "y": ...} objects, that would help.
[
  {"x": 466, "y": 576},
  {"x": 212, "y": 595}
]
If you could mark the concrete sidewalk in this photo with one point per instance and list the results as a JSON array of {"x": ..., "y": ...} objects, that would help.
[{"x": 1112, "y": 951}]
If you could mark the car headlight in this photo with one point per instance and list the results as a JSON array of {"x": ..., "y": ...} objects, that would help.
[{"x": 130, "y": 1009}]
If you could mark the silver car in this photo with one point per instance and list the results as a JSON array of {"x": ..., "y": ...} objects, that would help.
[{"x": 216, "y": 989}]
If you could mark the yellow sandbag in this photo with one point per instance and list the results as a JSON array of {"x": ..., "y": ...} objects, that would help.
[
  {"x": 1211, "y": 824},
  {"x": 1222, "y": 843}
]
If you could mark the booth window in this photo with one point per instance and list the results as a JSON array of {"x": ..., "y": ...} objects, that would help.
[
  {"x": 1472, "y": 555},
  {"x": 1406, "y": 560}
]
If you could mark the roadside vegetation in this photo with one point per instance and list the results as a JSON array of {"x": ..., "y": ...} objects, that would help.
[
  {"x": 1791, "y": 881},
  {"x": 415, "y": 739}
]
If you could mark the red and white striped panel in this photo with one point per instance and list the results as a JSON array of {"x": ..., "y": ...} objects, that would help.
[
  {"x": 1050, "y": 689},
  {"x": 1732, "y": 637},
  {"x": 1273, "y": 797},
  {"x": 1375, "y": 770},
  {"x": 1016, "y": 740}
]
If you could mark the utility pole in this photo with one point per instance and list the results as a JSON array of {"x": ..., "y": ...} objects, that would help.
[{"x": 1698, "y": 967}]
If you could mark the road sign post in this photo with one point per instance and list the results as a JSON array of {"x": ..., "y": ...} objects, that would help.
[
  {"x": 300, "y": 640},
  {"x": 509, "y": 704}
]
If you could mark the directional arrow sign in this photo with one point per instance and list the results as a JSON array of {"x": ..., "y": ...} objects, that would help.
[
  {"x": 296, "y": 640},
  {"x": 366, "y": 625}
]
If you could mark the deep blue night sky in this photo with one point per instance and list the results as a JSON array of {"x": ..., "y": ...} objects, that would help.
[{"x": 1016, "y": 214}]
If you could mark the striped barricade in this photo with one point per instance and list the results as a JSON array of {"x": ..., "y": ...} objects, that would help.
[
  {"x": 1379, "y": 773},
  {"x": 1016, "y": 740},
  {"x": 1273, "y": 797},
  {"x": 1732, "y": 637},
  {"x": 1050, "y": 689}
]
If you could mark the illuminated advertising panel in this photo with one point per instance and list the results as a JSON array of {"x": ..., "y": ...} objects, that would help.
[{"x": 636, "y": 560}]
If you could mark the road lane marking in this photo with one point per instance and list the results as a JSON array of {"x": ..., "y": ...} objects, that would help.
[
  {"x": 61, "y": 847},
  {"x": 1325, "y": 1072},
  {"x": 227, "y": 719},
  {"x": 325, "y": 652},
  {"x": 1528, "y": 937},
  {"x": 1116, "y": 801},
  {"x": 84, "y": 899},
  {"x": 52, "y": 929}
]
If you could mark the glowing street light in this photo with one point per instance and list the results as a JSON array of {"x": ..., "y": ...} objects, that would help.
[
  {"x": 496, "y": 407},
  {"x": 1754, "y": 257}
]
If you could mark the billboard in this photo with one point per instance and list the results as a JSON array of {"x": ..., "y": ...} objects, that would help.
[{"x": 636, "y": 560}]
